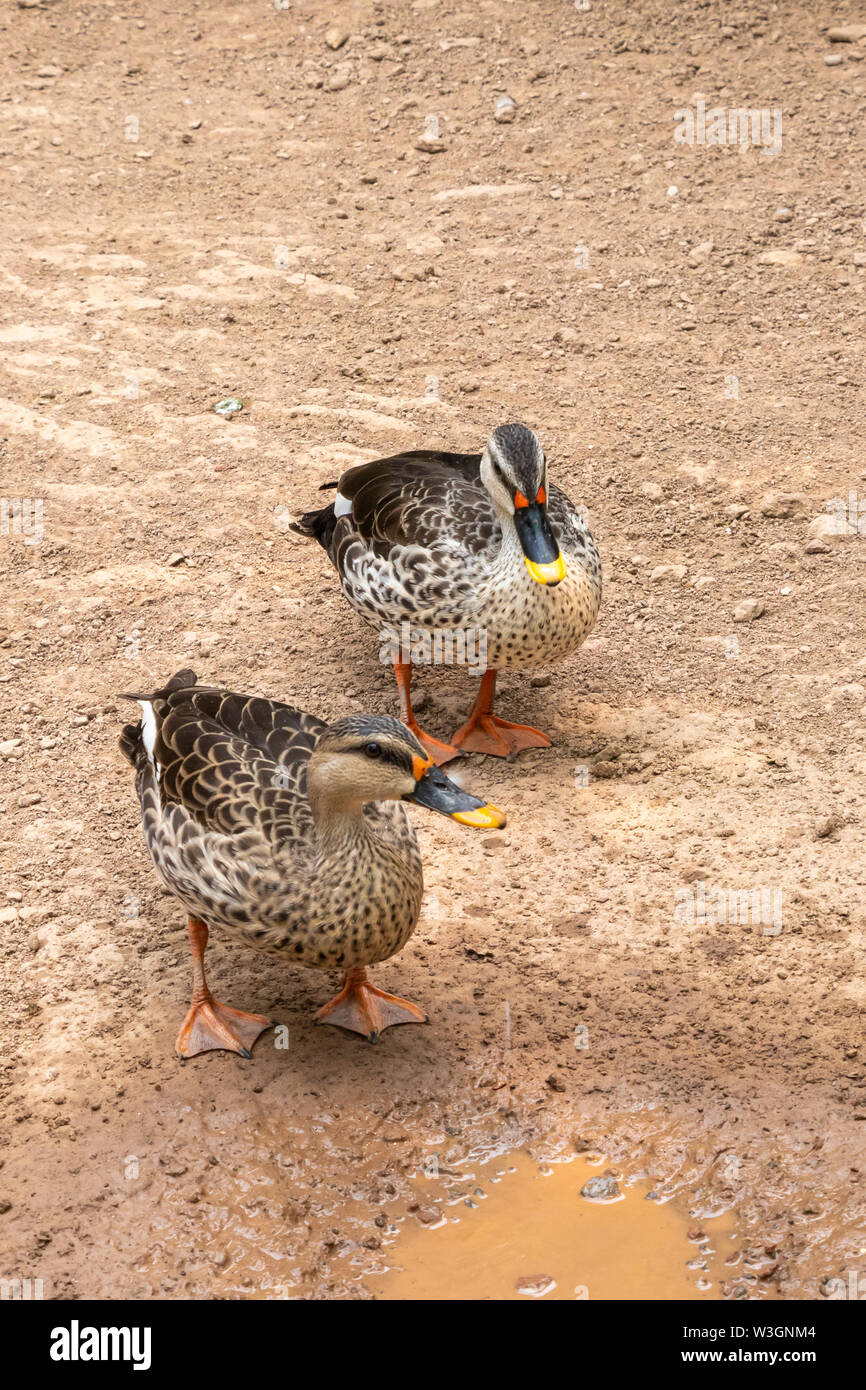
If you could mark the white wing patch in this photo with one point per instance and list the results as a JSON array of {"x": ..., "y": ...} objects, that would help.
[
  {"x": 342, "y": 505},
  {"x": 148, "y": 735}
]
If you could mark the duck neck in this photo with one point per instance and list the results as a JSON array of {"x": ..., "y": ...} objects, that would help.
[
  {"x": 510, "y": 558},
  {"x": 341, "y": 826}
]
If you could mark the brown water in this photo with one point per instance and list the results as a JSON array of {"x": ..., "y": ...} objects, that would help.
[
  {"x": 516, "y": 1230},
  {"x": 303, "y": 1210}
]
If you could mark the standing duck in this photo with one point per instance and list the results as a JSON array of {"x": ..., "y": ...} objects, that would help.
[
  {"x": 475, "y": 548},
  {"x": 287, "y": 833}
]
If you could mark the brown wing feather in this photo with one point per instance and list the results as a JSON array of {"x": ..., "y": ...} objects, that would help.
[
  {"x": 418, "y": 498},
  {"x": 232, "y": 762}
]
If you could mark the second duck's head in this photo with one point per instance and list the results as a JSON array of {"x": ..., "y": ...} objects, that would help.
[
  {"x": 514, "y": 471},
  {"x": 368, "y": 757}
]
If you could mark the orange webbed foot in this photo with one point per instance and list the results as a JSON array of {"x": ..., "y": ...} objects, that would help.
[
  {"x": 362, "y": 1008},
  {"x": 210, "y": 1025},
  {"x": 441, "y": 753},
  {"x": 486, "y": 733}
]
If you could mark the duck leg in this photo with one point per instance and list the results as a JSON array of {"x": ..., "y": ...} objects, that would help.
[
  {"x": 210, "y": 1024},
  {"x": 483, "y": 732},
  {"x": 362, "y": 1008},
  {"x": 439, "y": 752}
]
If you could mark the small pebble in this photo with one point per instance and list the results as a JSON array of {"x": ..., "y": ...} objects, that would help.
[
  {"x": 748, "y": 609},
  {"x": 427, "y": 1216},
  {"x": 827, "y": 826},
  {"x": 701, "y": 253},
  {"x": 604, "y": 1189},
  {"x": 172, "y": 1167},
  {"x": 478, "y": 950},
  {"x": 496, "y": 840},
  {"x": 535, "y": 1285},
  {"x": 846, "y": 33}
]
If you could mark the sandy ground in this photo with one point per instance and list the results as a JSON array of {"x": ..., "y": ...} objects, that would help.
[{"x": 204, "y": 202}]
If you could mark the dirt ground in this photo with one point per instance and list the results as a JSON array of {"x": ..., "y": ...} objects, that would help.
[{"x": 230, "y": 200}]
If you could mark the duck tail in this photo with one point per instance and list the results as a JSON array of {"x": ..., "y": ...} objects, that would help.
[
  {"x": 318, "y": 525},
  {"x": 132, "y": 741}
]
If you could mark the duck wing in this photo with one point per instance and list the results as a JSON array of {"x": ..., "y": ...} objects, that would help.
[
  {"x": 419, "y": 498},
  {"x": 233, "y": 764},
  {"x": 570, "y": 524},
  {"x": 408, "y": 536}
]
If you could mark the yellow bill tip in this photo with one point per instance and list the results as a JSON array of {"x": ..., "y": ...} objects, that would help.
[
  {"x": 483, "y": 818},
  {"x": 553, "y": 573}
]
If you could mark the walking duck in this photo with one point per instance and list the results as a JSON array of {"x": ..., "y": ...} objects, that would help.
[
  {"x": 287, "y": 833},
  {"x": 476, "y": 550}
]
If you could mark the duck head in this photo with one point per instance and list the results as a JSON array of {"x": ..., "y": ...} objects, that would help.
[
  {"x": 514, "y": 471},
  {"x": 367, "y": 758}
]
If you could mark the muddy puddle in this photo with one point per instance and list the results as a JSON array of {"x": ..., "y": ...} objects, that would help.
[
  {"x": 516, "y": 1229},
  {"x": 375, "y": 1208}
]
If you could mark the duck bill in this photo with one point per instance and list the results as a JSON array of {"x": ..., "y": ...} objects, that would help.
[
  {"x": 438, "y": 793},
  {"x": 542, "y": 554}
]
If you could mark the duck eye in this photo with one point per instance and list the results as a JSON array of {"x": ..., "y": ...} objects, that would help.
[{"x": 373, "y": 750}]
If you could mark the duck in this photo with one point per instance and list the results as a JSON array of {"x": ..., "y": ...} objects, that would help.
[
  {"x": 478, "y": 552},
  {"x": 290, "y": 835}
]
